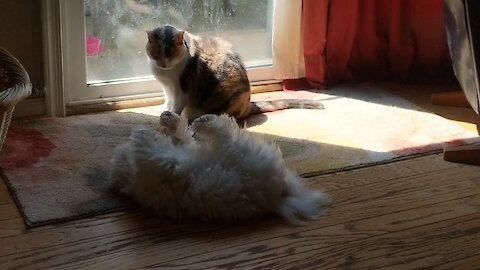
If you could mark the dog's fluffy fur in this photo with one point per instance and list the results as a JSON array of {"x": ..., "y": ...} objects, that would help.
[{"x": 210, "y": 170}]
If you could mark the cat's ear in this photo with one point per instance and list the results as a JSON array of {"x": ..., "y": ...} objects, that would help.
[
  {"x": 150, "y": 35},
  {"x": 179, "y": 38}
]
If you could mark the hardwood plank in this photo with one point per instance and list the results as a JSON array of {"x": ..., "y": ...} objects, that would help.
[
  {"x": 237, "y": 254},
  {"x": 84, "y": 229},
  {"x": 367, "y": 188},
  {"x": 218, "y": 245},
  {"x": 345, "y": 214},
  {"x": 469, "y": 263},
  {"x": 461, "y": 247},
  {"x": 347, "y": 195},
  {"x": 460, "y": 238},
  {"x": 352, "y": 195},
  {"x": 477, "y": 181},
  {"x": 8, "y": 211},
  {"x": 5, "y": 197},
  {"x": 380, "y": 200},
  {"x": 406, "y": 249},
  {"x": 11, "y": 227},
  {"x": 382, "y": 189},
  {"x": 385, "y": 172},
  {"x": 3, "y": 186},
  {"x": 457, "y": 248},
  {"x": 421, "y": 180}
]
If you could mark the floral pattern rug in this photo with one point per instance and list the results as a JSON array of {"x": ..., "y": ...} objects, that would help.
[{"x": 57, "y": 168}]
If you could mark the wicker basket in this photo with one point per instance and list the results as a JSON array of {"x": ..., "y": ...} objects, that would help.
[{"x": 15, "y": 86}]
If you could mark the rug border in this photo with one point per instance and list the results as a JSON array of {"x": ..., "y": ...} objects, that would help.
[
  {"x": 374, "y": 163},
  {"x": 15, "y": 197},
  {"x": 30, "y": 225}
]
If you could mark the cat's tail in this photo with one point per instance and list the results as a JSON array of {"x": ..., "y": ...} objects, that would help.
[
  {"x": 258, "y": 107},
  {"x": 307, "y": 205}
]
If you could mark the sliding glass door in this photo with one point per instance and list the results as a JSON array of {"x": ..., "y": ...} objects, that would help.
[
  {"x": 115, "y": 31},
  {"x": 104, "y": 41}
]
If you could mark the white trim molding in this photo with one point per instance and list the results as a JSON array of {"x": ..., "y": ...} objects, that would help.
[
  {"x": 288, "y": 61},
  {"x": 53, "y": 57}
]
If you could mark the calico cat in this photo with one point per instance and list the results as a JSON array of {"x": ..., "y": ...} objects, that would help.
[{"x": 204, "y": 75}]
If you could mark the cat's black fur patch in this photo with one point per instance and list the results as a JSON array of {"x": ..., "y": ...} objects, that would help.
[{"x": 168, "y": 38}]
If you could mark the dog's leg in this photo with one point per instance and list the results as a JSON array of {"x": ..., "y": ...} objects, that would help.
[
  {"x": 176, "y": 127},
  {"x": 214, "y": 127},
  {"x": 168, "y": 122}
]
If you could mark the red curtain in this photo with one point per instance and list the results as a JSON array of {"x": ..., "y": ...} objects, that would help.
[{"x": 354, "y": 40}]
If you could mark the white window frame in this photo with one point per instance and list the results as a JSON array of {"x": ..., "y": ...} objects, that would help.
[{"x": 79, "y": 93}]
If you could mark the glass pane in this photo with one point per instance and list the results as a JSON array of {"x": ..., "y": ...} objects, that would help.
[{"x": 116, "y": 31}]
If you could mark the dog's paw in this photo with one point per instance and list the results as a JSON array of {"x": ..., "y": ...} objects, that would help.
[
  {"x": 215, "y": 127},
  {"x": 169, "y": 120},
  {"x": 203, "y": 121},
  {"x": 205, "y": 118}
]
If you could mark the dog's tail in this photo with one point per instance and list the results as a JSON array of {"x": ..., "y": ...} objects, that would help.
[
  {"x": 304, "y": 206},
  {"x": 258, "y": 107}
]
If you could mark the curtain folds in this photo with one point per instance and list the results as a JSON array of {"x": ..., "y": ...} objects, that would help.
[
  {"x": 462, "y": 20},
  {"x": 288, "y": 61},
  {"x": 352, "y": 40},
  {"x": 315, "y": 20}
]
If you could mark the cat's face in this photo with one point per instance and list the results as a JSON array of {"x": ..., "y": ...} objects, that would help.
[{"x": 166, "y": 46}]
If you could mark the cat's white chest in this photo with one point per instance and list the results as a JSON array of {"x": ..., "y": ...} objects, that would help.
[{"x": 170, "y": 79}]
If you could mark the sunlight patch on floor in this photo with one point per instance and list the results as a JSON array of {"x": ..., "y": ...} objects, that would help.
[{"x": 358, "y": 117}]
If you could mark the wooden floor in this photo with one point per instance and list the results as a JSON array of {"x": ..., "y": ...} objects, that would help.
[
  {"x": 417, "y": 213},
  {"x": 422, "y": 212}
]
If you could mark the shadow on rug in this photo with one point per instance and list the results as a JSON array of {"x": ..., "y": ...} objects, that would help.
[{"x": 57, "y": 168}]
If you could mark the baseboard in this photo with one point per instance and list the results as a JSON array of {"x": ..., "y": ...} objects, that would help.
[
  {"x": 144, "y": 102},
  {"x": 37, "y": 106},
  {"x": 30, "y": 107},
  {"x": 113, "y": 105},
  {"x": 263, "y": 88}
]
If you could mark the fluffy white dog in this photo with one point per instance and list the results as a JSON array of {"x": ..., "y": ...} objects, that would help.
[{"x": 210, "y": 170}]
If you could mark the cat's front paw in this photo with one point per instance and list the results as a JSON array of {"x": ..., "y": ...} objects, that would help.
[
  {"x": 162, "y": 108},
  {"x": 166, "y": 107}
]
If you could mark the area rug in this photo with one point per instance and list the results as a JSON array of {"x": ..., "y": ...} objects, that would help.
[{"x": 57, "y": 168}]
